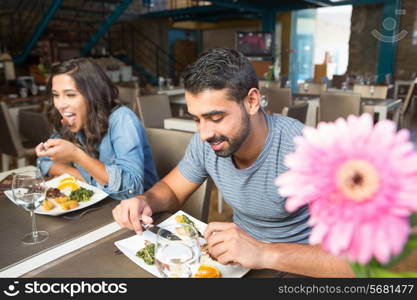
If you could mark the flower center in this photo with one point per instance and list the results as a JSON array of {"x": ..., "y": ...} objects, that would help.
[{"x": 357, "y": 179}]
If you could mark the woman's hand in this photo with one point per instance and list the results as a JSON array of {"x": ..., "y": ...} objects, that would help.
[{"x": 59, "y": 150}]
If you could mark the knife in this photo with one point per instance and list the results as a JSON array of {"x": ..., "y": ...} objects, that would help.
[{"x": 162, "y": 232}]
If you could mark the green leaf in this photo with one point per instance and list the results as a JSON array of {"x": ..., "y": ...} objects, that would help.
[
  {"x": 408, "y": 248},
  {"x": 359, "y": 270},
  {"x": 413, "y": 219},
  {"x": 384, "y": 273}
]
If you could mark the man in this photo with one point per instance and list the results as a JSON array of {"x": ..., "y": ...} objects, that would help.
[{"x": 242, "y": 149}]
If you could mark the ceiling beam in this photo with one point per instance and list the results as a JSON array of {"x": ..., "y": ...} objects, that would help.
[
  {"x": 320, "y": 3},
  {"x": 238, "y": 5},
  {"x": 186, "y": 11},
  {"x": 86, "y": 10},
  {"x": 75, "y": 20},
  {"x": 358, "y": 2}
]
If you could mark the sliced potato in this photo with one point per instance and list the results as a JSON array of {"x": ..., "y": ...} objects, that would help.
[
  {"x": 61, "y": 200},
  {"x": 69, "y": 204},
  {"x": 47, "y": 205}
]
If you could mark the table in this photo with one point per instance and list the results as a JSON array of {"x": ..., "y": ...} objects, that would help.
[
  {"x": 39, "y": 100},
  {"x": 65, "y": 235},
  {"x": 380, "y": 106},
  {"x": 312, "y": 110},
  {"x": 105, "y": 262},
  {"x": 182, "y": 124},
  {"x": 79, "y": 248},
  {"x": 176, "y": 97}
]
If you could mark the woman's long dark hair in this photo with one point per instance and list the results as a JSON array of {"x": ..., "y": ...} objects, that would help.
[{"x": 100, "y": 95}]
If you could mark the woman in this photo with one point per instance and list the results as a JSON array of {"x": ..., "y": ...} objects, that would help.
[{"x": 95, "y": 139}]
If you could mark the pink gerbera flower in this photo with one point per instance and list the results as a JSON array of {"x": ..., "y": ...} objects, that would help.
[{"x": 360, "y": 182}]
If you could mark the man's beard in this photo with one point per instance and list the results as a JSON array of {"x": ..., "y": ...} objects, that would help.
[{"x": 234, "y": 143}]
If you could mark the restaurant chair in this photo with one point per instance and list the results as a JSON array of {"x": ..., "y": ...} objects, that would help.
[
  {"x": 298, "y": 112},
  {"x": 168, "y": 148},
  {"x": 155, "y": 112},
  {"x": 153, "y": 109},
  {"x": 277, "y": 98},
  {"x": 11, "y": 144},
  {"x": 406, "y": 111},
  {"x": 33, "y": 125},
  {"x": 371, "y": 91},
  {"x": 128, "y": 95},
  {"x": 337, "y": 81},
  {"x": 311, "y": 88},
  {"x": 401, "y": 88},
  {"x": 335, "y": 105}
]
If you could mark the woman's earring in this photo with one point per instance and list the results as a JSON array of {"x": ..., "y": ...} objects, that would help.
[{"x": 264, "y": 101}]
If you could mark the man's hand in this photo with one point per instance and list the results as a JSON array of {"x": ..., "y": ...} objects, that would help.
[
  {"x": 131, "y": 213},
  {"x": 229, "y": 244}
]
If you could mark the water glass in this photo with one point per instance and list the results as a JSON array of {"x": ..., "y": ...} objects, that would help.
[
  {"x": 29, "y": 190},
  {"x": 179, "y": 255}
]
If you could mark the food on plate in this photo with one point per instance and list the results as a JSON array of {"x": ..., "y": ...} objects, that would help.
[
  {"x": 68, "y": 186},
  {"x": 61, "y": 200},
  {"x": 6, "y": 183},
  {"x": 70, "y": 204},
  {"x": 147, "y": 253},
  {"x": 47, "y": 205},
  {"x": 205, "y": 255},
  {"x": 68, "y": 178},
  {"x": 54, "y": 193},
  {"x": 183, "y": 219},
  {"x": 207, "y": 271},
  {"x": 81, "y": 194}
]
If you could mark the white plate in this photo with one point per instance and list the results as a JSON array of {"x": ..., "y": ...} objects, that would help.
[
  {"x": 57, "y": 210},
  {"x": 133, "y": 244}
]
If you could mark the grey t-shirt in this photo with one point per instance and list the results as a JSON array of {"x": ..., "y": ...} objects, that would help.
[{"x": 257, "y": 207}]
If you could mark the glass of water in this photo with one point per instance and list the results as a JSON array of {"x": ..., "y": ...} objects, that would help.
[
  {"x": 29, "y": 191},
  {"x": 177, "y": 255}
]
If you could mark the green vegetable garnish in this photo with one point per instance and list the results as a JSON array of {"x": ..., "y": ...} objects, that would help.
[
  {"x": 147, "y": 253},
  {"x": 183, "y": 219},
  {"x": 81, "y": 195}
]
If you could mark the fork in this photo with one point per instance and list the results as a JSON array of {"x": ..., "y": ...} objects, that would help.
[{"x": 76, "y": 217}]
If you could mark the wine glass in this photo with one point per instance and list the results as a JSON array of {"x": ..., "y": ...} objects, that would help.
[
  {"x": 177, "y": 255},
  {"x": 34, "y": 90},
  {"x": 372, "y": 90},
  {"x": 29, "y": 191},
  {"x": 305, "y": 87}
]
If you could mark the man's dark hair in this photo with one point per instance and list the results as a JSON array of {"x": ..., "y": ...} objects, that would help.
[{"x": 218, "y": 69}]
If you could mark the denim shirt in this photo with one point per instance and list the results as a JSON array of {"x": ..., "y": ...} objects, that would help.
[{"x": 125, "y": 153}]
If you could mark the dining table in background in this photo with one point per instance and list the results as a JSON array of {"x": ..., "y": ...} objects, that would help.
[
  {"x": 382, "y": 107},
  {"x": 176, "y": 97}
]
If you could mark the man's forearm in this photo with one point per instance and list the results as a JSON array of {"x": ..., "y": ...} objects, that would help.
[
  {"x": 305, "y": 260},
  {"x": 161, "y": 198}
]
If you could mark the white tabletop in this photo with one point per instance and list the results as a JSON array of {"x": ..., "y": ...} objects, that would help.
[
  {"x": 23, "y": 169},
  {"x": 172, "y": 92}
]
